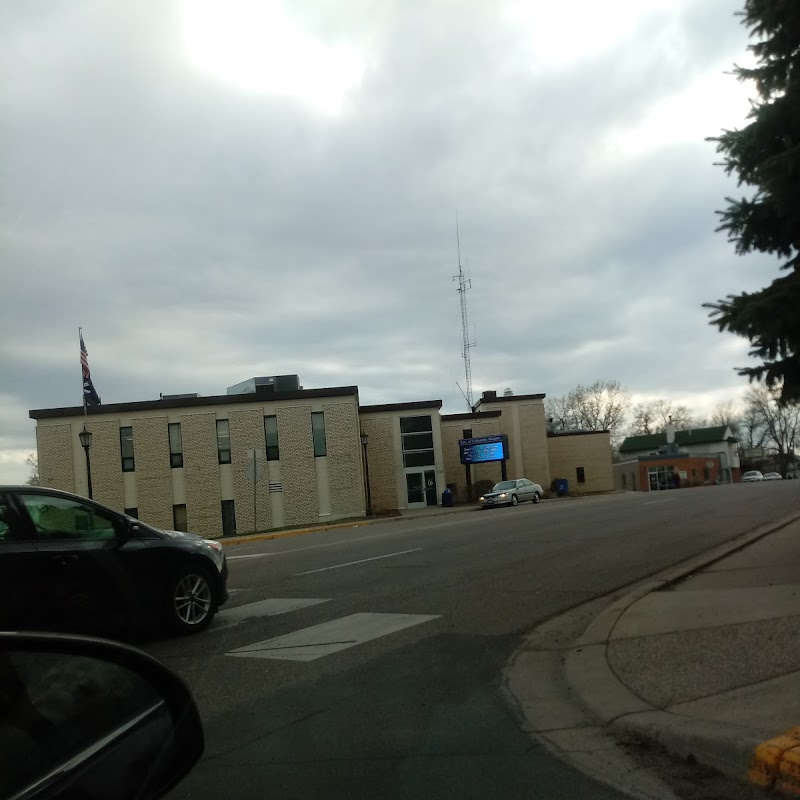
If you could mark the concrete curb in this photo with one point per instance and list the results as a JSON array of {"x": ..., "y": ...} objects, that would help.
[
  {"x": 262, "y": 537},
  {"x": 728, "y": 748}
]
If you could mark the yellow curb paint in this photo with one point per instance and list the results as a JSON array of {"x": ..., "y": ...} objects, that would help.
[
  {"x": 788, "y": 780},
  {"x": 263, "y": 537},
  {"x": 767, "y": 759}
]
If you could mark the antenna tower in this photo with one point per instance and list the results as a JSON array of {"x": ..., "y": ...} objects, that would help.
[{"x": 466, "y": 345}]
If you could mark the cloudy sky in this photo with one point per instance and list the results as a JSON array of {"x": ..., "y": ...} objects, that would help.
[{"x": 221, "y": 189}]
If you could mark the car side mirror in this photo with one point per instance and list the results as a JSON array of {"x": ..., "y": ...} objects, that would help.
[
  {"x": 130, "y": 529},
  {"x": 84, "y": 717}
]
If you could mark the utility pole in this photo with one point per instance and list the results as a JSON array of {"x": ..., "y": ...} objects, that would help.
[{"x": 464, "y": 283}]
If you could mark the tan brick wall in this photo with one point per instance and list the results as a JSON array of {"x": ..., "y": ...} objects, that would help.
[
  {"x": 201, "y": 470},
  {"x": 524, "y": 422},
  {"x": 382, "y": 458},
  {"x": 592, "y": 452},
  {"x": 54, "y": 448},
  {"x": 346, "y": 479},
  {"x": 298, "y": 473},
  {"x": 107, "y": 462},
  {"x": 533, "y": 436},
  {"x": 153, "y": 476},
  {"x": 247, "y": 433},
  {"x": 454, "y": 469}
]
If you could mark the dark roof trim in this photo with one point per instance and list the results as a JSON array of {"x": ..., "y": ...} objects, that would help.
[
  {"x": 473, "y": 415},
  {"x": 416, "y": 404},
  {"x": 552, "y": 434},
  {"x": 194, "y": 402},
  {"x": 681, "y": 456},
  {"x": 501, "y": 399},
  {"x": 647, "y": 441}
]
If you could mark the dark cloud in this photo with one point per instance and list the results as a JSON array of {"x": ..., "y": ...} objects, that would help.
[{"x": 203, "y": 234}]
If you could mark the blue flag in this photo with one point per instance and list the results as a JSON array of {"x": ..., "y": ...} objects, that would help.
[{"x": 90, "y": 396}]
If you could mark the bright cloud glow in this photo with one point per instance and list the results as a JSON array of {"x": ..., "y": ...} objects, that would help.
[
  {"x": 560, "y": 33},
  {"x": 713, "y": 102},
  {"x": 256, "y": 46}
]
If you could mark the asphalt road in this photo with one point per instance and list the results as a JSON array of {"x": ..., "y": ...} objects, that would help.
[{"x": 396, "y": 691}]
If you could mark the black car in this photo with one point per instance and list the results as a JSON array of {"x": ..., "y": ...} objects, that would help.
[{"x": 71, "y": 564}]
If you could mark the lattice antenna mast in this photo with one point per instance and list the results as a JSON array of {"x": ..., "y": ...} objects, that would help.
[{"x": 464, "y": 284}]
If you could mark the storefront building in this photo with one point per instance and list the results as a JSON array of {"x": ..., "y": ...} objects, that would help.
[{"x": 660, "y": 473}]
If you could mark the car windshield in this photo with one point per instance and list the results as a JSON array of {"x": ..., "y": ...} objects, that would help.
[{"x": 504, "y": 485}]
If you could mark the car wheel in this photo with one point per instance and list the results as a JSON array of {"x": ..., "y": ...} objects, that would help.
[
  {"x": 191, "y": 604},
  {"x": 514, "y": 500},
  {"x": 536, "y": 498}
]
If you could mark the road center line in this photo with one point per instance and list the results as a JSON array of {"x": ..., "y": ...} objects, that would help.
[
  {"x": 653, "y": 502},
  {"x": 252, "y": 555},
  {"x": 360, "y": 561}
]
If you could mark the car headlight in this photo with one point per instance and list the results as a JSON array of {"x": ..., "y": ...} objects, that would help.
[
  {"x": 213, "y": 544},
  {"x": 503, "y": 495},
  {"x": 481, "y": 499}
]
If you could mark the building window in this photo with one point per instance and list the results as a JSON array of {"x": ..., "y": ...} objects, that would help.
[
  {"x": 179, "y": 518},
  {"x": 228, "y": 518},
  {"x": 467, "y": 433},
  {"x": 126, "y": 449},
  {"x": 318, "y": 433},
  {"x": 271, "y": 435},
  {"x": 624, "y": 481},
  {"x": 661, "y": 477},
  {"x": 580, "y": 474},
  {"x": 175, "y": 445},
  {"x": 416, "y": 434},
  {"x": 224, "y": 441},
  {"x": 132, "y": 512}
]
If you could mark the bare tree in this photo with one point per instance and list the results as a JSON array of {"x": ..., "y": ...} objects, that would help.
[
  {"x": 33, "y": 465},
  {"x": 603, "y": 406},
  {"x": 653, "y": 417},
  {"x": 728, "y": 415},
  {"x": 778, "y": 423},
  {"x": 562, "y": 412}
]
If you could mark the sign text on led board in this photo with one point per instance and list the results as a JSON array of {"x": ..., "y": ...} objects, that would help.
[{"x": 483, "y": 449}]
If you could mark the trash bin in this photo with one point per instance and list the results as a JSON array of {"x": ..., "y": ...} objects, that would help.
[
  {"x": 562, "y": 487},
  {"x": 447, "y": 499}
]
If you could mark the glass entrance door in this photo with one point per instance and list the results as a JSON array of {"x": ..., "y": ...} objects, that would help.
[
  {"x": 415, "y": 489},
  {"x": 431, "y": 497},
  {"x": 421, "y": 488}
]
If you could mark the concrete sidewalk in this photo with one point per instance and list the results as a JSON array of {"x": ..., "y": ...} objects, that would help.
[{"x": 708, "y": 665}]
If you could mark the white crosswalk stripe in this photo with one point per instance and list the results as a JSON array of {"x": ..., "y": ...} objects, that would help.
[{"x": 330, "y": 637}]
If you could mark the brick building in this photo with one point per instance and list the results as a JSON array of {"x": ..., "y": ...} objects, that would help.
[
  {"x": 699, "y": 457},
  {"x": 267, "y": 456}
]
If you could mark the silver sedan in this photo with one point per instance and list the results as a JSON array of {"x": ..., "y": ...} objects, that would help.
[{"x": 511, "y": 493}]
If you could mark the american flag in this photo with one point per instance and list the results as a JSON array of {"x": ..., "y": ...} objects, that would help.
[{"x": 90, "y": 396}]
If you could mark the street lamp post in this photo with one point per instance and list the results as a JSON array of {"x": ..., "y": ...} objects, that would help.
[
  {"x": 85, "y": 437},
  {"x": 364, "y": 440}
]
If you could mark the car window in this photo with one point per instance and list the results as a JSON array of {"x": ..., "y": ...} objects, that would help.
[
  {"x": 60, "y": 518},
  {"x": 5, "y": 520}
]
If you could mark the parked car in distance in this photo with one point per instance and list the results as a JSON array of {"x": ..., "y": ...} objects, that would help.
[
  {"x": 773, "y": 476},
  {"x": 69, "y": 564},
  {"x": 511, "y": 493},
  {"x": 751, "y": 476}
]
